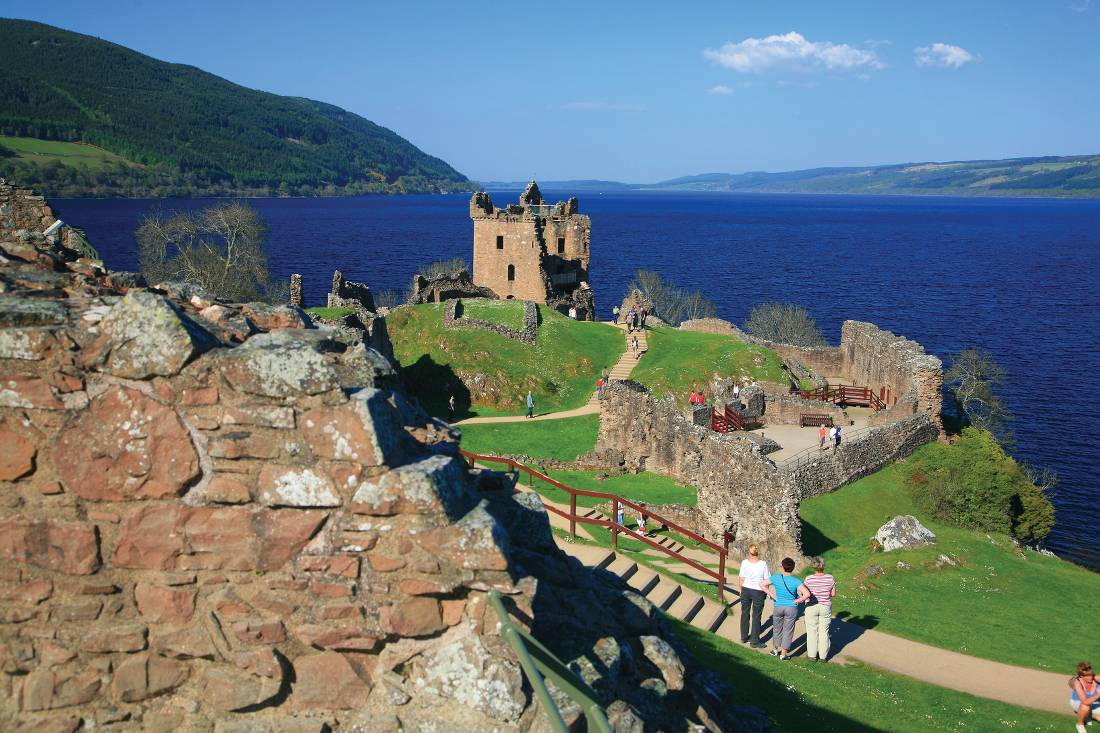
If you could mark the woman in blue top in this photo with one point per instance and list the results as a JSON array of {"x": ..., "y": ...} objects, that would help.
[
  {"x": 1085, "y": 698},
  {"x": 787, "y": 593}
]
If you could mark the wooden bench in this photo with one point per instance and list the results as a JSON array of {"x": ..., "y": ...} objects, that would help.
[{"x": 813, "y": 419}]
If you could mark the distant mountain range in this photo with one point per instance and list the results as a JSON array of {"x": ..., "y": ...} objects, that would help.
[
  {"x": 148, "y": 127},
  {"x": 1072, "y": 176}
]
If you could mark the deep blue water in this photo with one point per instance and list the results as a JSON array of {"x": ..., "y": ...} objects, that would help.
[{"x": 1018, "y": 277}]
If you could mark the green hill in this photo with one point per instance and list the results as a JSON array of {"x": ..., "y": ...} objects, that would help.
[
  {"x": 1072, "y": 176},
  {"x": 171, "y": 129}
]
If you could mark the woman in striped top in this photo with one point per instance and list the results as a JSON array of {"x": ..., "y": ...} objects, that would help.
[{"x": 819, "y": 610}]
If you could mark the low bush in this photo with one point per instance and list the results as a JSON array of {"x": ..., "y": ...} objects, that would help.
[{"x": 975, "y": 484}]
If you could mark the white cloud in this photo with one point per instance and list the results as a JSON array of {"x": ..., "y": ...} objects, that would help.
[
  {"x": 943, "y": 56},
  {"x": 791, "y": 52},
  {"x": 720, "y": 89},
  {"x": 1082, "y": 6},
  {"x": 600, "y": 106}
]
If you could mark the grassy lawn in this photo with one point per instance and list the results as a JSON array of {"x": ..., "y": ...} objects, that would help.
[
  {"x": 507, "y": 313},
  {"x": 490, "y": 374},
  {"x": 561, "y": 440},
  {"x": 679, "y": 361},
  {"x": 996, "y": 604},
  {"x": 651, "y": 488},
  {"x": 800, "y": 695},
  {"x": 330, "y": 313},
  {"x": 44, "y": 151}
]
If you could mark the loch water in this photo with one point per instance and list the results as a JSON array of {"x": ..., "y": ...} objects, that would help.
[{"x": 1017, "y": 277}]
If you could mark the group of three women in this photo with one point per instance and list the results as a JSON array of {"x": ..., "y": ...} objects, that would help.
[{"x": 788, "y": 594}]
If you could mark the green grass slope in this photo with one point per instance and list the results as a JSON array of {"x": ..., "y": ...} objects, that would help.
[
  {"x": 800, "y": 695},
  {"x": 190, "y": 131},
  {"x": 507, "y": 313},
  {"x": 559, "y": 440},
  {"x": 1000, "y": 602},
  {"x": 490, "y": 374},
  {"x": 679, "y": 361}
]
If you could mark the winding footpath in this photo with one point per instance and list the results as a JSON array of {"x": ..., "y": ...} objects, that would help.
[{"x": 621, "y": 370}]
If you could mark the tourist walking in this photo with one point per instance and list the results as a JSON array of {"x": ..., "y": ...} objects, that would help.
[
  {"x": 451, "y": 409},
  {"x": 737, "y": 393},
  {"x": 1084, "y": 698},
  {"x": 634, "y": 345},
  {"x": 640, "y": 519},
  {"x": 530, "y": 404},
  {"x": 615, "y": 313},
  {"x": 634, "y": 318},
  {"x": 645, "y": 315},
  {"x": 619, "y": 518},
  {"x": 787, "y": 593},
  {"x": 836, "y": 435},
  {"x": 819, "y": 611},
  {"x": 599, "y": 388},
  {"x": 750, "y": 585},
  {"x": 573, "y": 312},
  {"x": 822, "y": 432}
]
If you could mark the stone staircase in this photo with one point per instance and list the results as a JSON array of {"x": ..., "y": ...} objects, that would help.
[
  {"x": 664, "y": 592},
  {"x": 625, "y": 365}
]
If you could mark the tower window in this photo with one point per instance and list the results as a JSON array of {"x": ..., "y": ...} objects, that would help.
[
  {"x": 561, "y": 245},
  {"x": 511, "y": 272},
  {"x": 500, "y": 241}
]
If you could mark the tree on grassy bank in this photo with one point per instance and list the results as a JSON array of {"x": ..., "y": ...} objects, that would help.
[
  {"x": 671, "y": 303},
  {"x": 220, "y": 249},
  {"x": 975, "y": 484},
  {"x": 784, "y": 323}
]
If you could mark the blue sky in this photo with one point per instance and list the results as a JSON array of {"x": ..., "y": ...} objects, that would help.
[{"x": 644, "y": 91}]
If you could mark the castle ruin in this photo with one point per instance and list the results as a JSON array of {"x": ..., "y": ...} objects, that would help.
[{"x": 533, "y": 251}]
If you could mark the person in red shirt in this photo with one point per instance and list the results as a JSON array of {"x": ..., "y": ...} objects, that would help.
[{"x": 599, "y": 388}]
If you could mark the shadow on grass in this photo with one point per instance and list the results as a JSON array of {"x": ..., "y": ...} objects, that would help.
[
  {"x": 433, "y": 384},
  {"x": 783, "y": 702},
  {"x": 814, "y": 542}
]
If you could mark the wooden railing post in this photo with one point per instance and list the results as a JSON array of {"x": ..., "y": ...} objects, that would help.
[
  {"x": 615, "y": 523},
  {"x": 573, "y": 515},
  {"x": 722, "y": 576}
]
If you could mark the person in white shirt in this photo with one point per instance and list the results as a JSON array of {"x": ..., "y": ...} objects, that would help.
[{"x": 750, "y": 584}]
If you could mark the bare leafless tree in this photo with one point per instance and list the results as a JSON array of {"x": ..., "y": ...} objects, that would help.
[
  {"x": 388, "y": 298},
  {"x": 445, "y": 268},
  {"x": 972, "y": 380},
  {"x": 220, "y": 248},
  {"x": 784, "y": 323},
  {"x": 671, "y": 304}
]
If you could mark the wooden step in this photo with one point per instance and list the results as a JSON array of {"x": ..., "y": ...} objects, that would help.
[
  {"x": 686, "y": 606},
  {"x": 593, "y": 557},
  {"x": 665, "y": 593},
  {"x": 644, "y": 581},
  {"x": 730, "y": 628}
]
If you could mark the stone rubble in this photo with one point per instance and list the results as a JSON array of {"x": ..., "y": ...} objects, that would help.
[{"x": 903, "y": 533}]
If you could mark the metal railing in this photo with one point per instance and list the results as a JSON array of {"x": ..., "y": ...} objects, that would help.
[
  {"x": 538, "y": 664},
  {"x": 616, "y": 529}
]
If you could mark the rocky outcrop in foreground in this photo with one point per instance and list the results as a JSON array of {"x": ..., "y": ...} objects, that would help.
[{"x": 214, "y": 517}]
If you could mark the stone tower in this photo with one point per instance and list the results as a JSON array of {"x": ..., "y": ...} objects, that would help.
[{"x": 532, "y": 250}]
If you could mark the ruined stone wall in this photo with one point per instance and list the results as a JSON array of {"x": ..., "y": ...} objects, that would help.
[
  {"x": 829, "y": 470},
  {"x": 452, "y": 318},
  {"x": 909, "y": 379},
  {"x": 445, "y": 287},
  {"x": 788, "y": 409},
  {"x": 20, "y": 209},
  {"x": 213, "y": 517},
  {"x": 522, "y": 250},
  {"x": 739, "y": 490}
]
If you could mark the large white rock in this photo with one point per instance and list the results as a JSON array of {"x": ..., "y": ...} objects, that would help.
[{"x": 904, "y": 533}]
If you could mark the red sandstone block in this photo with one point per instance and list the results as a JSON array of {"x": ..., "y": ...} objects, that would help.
[
  {"x": 199, "y": 396},
  {"x": 419, "y": 587},
  {"x": 165, "y": 605},
  {"x": 51, "y": 488},
  {"x": 384, "y": 564},
  {"x": 452, "y": 611},
  {"x": 30, "y": 593},
  {"x": 99, "y": 515},
  {"x": 67, "y": 547},
  {"x": 417, "y": 616},
  {"x": 256, "y": 631},
  {"x": 332, "y": 590}
]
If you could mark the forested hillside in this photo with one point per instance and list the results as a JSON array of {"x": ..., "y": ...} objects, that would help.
[{"x": 171, "y": 129}]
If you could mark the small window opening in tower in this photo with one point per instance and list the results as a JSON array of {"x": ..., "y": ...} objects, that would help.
[
  {"x": 511, "y": 272},
  {"x": 500, "y": 241},
  {"x": 561, "y": 245}
]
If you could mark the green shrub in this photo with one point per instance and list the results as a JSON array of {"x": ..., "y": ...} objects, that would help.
[{"x": 974, "y": 483}]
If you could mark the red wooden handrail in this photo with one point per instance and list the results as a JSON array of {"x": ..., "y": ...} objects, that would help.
[{"x": 615, "y": 527}]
